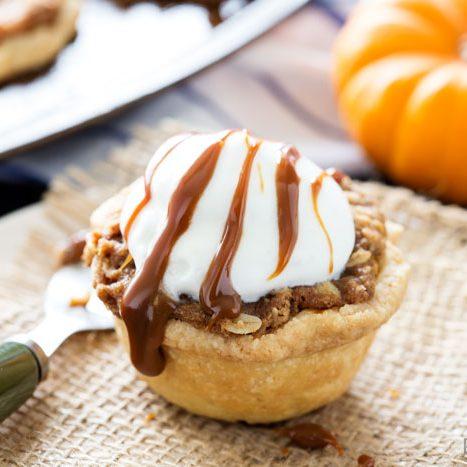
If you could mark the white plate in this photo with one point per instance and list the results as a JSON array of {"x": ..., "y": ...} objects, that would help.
[{"x": 122, "y": 55}]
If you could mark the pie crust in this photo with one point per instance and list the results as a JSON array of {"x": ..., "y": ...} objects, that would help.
[{"x": 304, "y": 365}]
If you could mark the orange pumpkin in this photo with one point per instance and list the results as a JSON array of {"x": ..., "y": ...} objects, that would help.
[{"x": 400, "y": 70}]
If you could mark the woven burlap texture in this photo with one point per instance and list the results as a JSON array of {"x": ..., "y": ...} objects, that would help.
[{"x": 407, "y": 404}]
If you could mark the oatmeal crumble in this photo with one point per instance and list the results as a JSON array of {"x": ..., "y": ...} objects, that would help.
[{"x": 113, "y": 269}]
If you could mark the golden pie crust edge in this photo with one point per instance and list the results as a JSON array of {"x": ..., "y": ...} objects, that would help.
[
  {"x": 304, "y": 365},
  {"x": 33, "y": 49}
]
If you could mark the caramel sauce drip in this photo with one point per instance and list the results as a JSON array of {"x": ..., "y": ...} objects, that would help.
[
  {"x": 366, "y": 461},
  {"x": 287, "y": 188},
  {"x": 145, "y": 309},
  {"x": 311, "y": 436},
  {"x": 73, "y": 248},
  {"x": 337, "y": 175},
  {"x": 217, "y": 293},
  {"x": 128, "y": 260},
  {"x": 148, "y": 177},
  {"x": 315, "y": 190}
]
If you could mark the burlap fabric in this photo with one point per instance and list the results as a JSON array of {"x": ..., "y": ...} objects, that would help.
[{"x": 406, "y": 406}]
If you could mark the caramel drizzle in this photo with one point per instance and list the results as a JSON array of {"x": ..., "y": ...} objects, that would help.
[
  {"x": 73, "y": 248},
  {"x": 311, "y": 436},
  {"x": 217, "y": 293},
  {"x": 315, "y": 191},
  {"x": 148, "y": 177},
  {"x": 287, "y": 188},
  {"x": 145, "y": 309},
  {"x": 365, "y": 460},
  {"x": 337, "y": 175}
]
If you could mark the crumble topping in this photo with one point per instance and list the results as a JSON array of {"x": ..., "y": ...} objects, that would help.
[{"x": 113, "y": 269}]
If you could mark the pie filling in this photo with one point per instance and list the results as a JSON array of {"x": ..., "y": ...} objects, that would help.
[
  {"x": 113, "y": 270},
  {"x": 215, "y": 176}
]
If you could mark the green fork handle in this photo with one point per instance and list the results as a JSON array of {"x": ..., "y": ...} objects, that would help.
[{"x": 22, "y": 367}]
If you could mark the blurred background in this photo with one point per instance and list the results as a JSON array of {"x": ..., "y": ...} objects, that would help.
[
  {"x": 277, "y": 85},
  {"x": 266, "y": 65}
]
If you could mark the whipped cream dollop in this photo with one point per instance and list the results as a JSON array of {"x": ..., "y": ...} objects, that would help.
[{"x": 296, "y": 226}]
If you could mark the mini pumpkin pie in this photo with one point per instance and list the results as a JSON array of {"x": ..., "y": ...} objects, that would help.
[
  {"x": 32, "y": 33},
  {"x": 246, "y": 282}
]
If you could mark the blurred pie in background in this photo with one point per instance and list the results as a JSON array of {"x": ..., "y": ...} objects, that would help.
[
  {"x": 32, "y": 33},
  {"x": 213, "y": 7}
]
